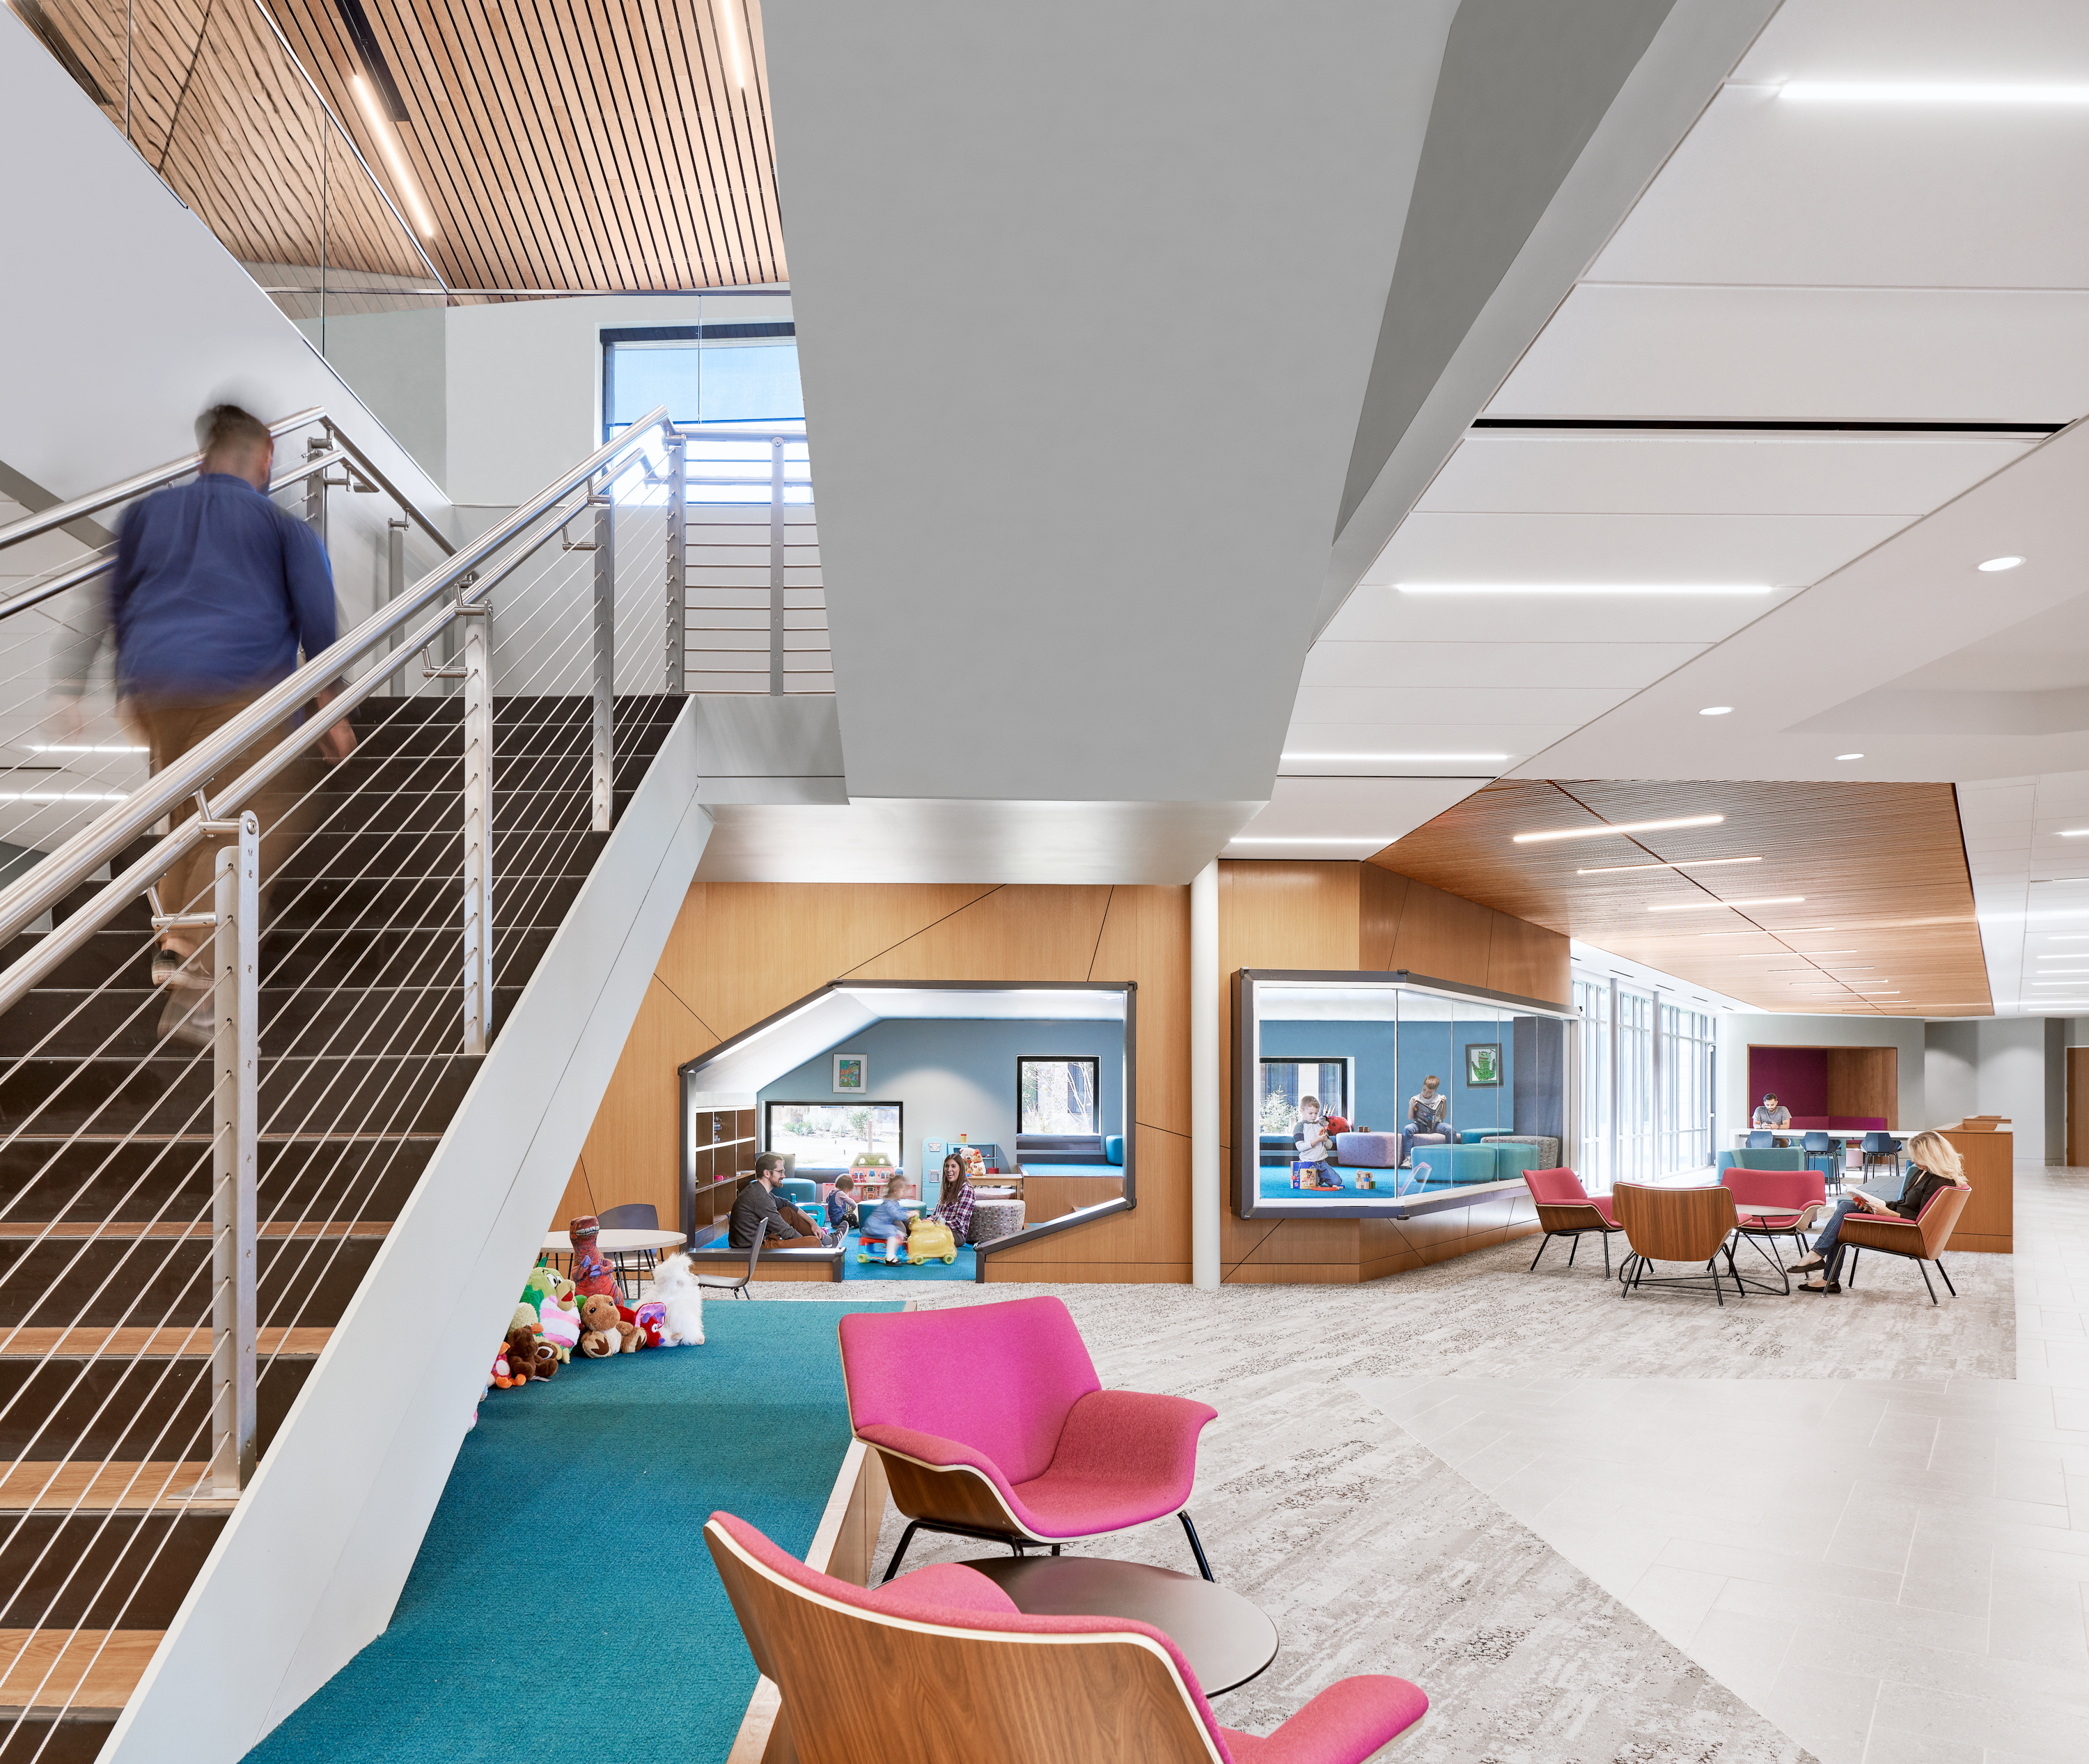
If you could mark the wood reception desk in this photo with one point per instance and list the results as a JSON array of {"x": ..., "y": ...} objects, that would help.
[{"x": 1988, "y": 1221}]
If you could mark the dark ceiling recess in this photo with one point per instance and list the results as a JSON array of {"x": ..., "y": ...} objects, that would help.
[
  {"x": 372, "y": 57},
  {"x": 33, "y": 15}
]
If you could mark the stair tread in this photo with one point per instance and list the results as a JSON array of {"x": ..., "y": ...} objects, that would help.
[
  {"x": 96, "y": 1485},
  {"x": 148, "y": 1341},
  {"x": 89, "y": 1669},
  {"x": 129, "y": 1231}
]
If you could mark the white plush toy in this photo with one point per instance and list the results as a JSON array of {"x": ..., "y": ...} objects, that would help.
[{"x": 682, "y": 1300}]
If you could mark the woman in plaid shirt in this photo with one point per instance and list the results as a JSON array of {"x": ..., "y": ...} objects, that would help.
[{"x": 955, "y": 1208}]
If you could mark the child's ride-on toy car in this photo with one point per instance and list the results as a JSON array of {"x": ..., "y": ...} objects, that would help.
[{"x": 926, "y": 1239}]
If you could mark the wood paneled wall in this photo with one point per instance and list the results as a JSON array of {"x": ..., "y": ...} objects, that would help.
[
  {"x": 742, "y": 951},
  {"x": 1865, "y": 1081}
]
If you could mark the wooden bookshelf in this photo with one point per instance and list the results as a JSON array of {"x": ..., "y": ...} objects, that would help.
[{"x": 721, "y": 1160}]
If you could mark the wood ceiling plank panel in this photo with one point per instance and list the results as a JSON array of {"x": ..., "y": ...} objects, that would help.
[
  {"x": 1883, "y": 863},
  {"x": 765, "y": 196},
  {"x": 704, "y": 57},
  {"x": 682, "y": 56},
  {"x": 625, "y": 77},
  {"x": 560, "y": 81},
  {"x": 723, "y": 147},
  {"x": 536, "y": 221},
  {"x": 668, "y": 96}
]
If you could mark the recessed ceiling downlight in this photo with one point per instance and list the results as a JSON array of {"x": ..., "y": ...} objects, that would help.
[
  {"x": 1849, "y": 756},
  {"x": 1994, "y": 564},
  {"x": 1716, "y": 711}
]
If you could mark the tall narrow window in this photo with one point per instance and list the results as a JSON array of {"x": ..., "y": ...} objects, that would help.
[
  {"x": 1057, "y": 1094},
  {"x": 1285, "y": 1083}
]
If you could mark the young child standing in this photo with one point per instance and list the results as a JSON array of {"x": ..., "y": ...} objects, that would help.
[{"x": 888, "y": 1221}]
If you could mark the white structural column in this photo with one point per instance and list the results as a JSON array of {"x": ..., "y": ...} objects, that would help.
[{"x": 1206, "y": 1190}]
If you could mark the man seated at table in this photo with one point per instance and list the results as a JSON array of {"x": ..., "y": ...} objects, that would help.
[
  {"x": 756, "y": 1211},
  {"x": 1770, "y": 1112}
]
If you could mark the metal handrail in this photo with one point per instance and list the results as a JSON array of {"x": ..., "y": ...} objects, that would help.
[
  {"x": 23, "y": 901},
  {"x": 96, "y": 500},
  {"x": 105, "y": 559}
]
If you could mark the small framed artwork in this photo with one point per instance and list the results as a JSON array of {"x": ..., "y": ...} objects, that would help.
[
  {"x": 852, "y": 1074},
  {"x": 1483, "y": 1065}
]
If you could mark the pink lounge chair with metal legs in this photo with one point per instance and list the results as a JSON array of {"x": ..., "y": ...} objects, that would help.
[
  {"x": 992, "y": 1423},
  {"x": 939, "y": 1667},
  {"x": 1565, "y": 1209}
]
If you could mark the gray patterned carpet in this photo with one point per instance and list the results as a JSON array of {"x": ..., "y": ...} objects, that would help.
[{"x": 1372, "y": 1555}]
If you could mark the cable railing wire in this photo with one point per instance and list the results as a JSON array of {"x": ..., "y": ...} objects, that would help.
[{"x": 361, "y": 990}]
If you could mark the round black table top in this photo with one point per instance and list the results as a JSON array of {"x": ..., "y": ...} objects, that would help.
[{"x": 1226, "y": 1640}]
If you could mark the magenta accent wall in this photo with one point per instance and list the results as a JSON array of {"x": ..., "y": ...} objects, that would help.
[{"x": 1798, "y": 1075}]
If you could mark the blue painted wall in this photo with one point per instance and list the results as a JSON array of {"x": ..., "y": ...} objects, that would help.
[
  {"x": 956, "y": 1076},
  {"x": 1385, "y": 1082}
]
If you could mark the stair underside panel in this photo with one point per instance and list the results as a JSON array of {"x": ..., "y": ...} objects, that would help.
[{"x": 313, "y": 1560}]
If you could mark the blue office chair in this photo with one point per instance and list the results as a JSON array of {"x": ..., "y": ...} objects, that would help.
[
  {"x": 1816, "y": 1145},
  {"x": 1762, "y": 1139},
  {"x": 1878, "y": 1146}
]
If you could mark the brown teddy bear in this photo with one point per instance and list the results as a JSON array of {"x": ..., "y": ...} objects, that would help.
[
  {"x": 603, "y": 1332},
  {"x": 547, "y": 1362},
  {"x": 522, "y": 1356}
]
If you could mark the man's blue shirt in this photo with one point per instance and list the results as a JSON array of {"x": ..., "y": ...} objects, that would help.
[{"x": 215, "y": 590}]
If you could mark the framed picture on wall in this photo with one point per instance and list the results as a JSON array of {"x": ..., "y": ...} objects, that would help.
[
  {"x": 1483, "y": 1067},
  {"x": 852, "y": 1074}
]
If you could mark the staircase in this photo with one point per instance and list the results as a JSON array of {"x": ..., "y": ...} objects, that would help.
[{"x": 105, "y": 1243}]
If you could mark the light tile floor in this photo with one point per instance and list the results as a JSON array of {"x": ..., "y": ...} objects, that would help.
[{"x": 1892, "y": 1571}]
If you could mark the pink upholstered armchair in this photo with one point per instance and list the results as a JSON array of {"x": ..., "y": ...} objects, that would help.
[
  {"x": 1565, "y": 1209},
  {"x": 992, "y": 1423},
  {"x": 854, "y": 1668}
]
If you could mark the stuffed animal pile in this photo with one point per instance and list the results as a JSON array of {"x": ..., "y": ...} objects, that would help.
[{"x": 553, "y": 1319}]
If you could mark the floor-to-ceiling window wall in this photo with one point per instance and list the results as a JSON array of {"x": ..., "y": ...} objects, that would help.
[{"x": 1646, "y": 1084}]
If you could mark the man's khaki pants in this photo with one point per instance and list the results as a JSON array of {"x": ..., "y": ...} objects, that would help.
[{"x": 284, "y": 805}]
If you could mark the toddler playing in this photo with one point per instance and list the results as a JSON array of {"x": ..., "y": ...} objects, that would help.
[
  {"x": 1316, "y": 1141},
  {"x": 888, "y": 1220}
]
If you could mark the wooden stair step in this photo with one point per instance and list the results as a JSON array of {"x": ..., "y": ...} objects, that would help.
[
  {"x": 167, "y": 1343},
  {"x": 15, "y": 1229},
  {"x": 93, "y": 1486},
  {"x": 94, "y": 1668}
]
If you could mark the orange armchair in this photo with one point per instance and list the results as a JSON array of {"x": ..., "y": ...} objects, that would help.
[{"x": 1920, "y": 1240}]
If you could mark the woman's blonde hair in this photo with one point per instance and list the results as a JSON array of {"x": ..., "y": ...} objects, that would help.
[{"x": 1935, "y": 1154}]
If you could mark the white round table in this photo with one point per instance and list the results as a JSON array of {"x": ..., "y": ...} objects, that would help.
[
  {"x": 616, "y": 1242},
  {"x": 617, "y": 1245}
]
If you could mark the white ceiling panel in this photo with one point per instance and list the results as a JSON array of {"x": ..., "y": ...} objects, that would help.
[
  {"x": 1308, "y": 735},
  {"x": 2041, "y": 654},
  {"x": 1498, "y": 666},
  {"x": 1378, "y": 614},
  {"x": 1776, "y": 551},
  {"x": 1497, "y": 471},
  {"x": 1821, "y": 355},
  {"x": 1765, "y": 191},
  {"x": 1423, "y": 707},
  {"x": 1978, "y": 39},
  {"x": 1345, "y": 816}
]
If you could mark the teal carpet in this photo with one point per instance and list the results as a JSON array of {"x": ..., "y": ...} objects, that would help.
[
  {"x": 563, "y": 1605},
  {"x": 965, "y": 1268}
]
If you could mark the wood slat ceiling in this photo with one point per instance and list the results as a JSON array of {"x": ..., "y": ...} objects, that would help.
[
  {"x": 583, "y": 145},
  {"x": 1883, "y": 865}
]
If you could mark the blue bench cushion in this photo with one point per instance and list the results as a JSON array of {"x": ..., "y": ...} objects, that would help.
[
  {"x": 1113, "y": 1148},
  {"x": 1794, "y": 1159}
]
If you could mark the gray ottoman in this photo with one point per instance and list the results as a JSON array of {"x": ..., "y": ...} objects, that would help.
[{"x": 992, "y": 1219}]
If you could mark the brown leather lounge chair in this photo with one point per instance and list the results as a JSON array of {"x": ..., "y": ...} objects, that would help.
[{"x": 1920, "y": 1240}]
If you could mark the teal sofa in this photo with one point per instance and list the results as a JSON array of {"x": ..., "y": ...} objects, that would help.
[{"x": 1794, "y": 1159}]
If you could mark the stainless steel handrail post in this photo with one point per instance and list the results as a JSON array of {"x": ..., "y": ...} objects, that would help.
[
  {"x": 234, "y": 1170},
  {"x": 678, "y": 561},
  {"x": 605, "y": 653},
  {"x": 315, "y": 492},
  {"x": 395, "y": 585},
  {"x": 477, "y": 829},
  {"x": 776, "y": 566}
]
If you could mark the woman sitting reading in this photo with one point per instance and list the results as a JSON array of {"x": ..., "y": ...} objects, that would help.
[{"x": 1934, "y": 1165}]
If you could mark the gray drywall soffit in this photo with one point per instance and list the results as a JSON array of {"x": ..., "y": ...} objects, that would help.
[
  {"x": 36, "y": 499},
  {"x": 751, "y": 748},
  {"x": 1074, "y": 511},
  {"x": 1549, "y": 121}
]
